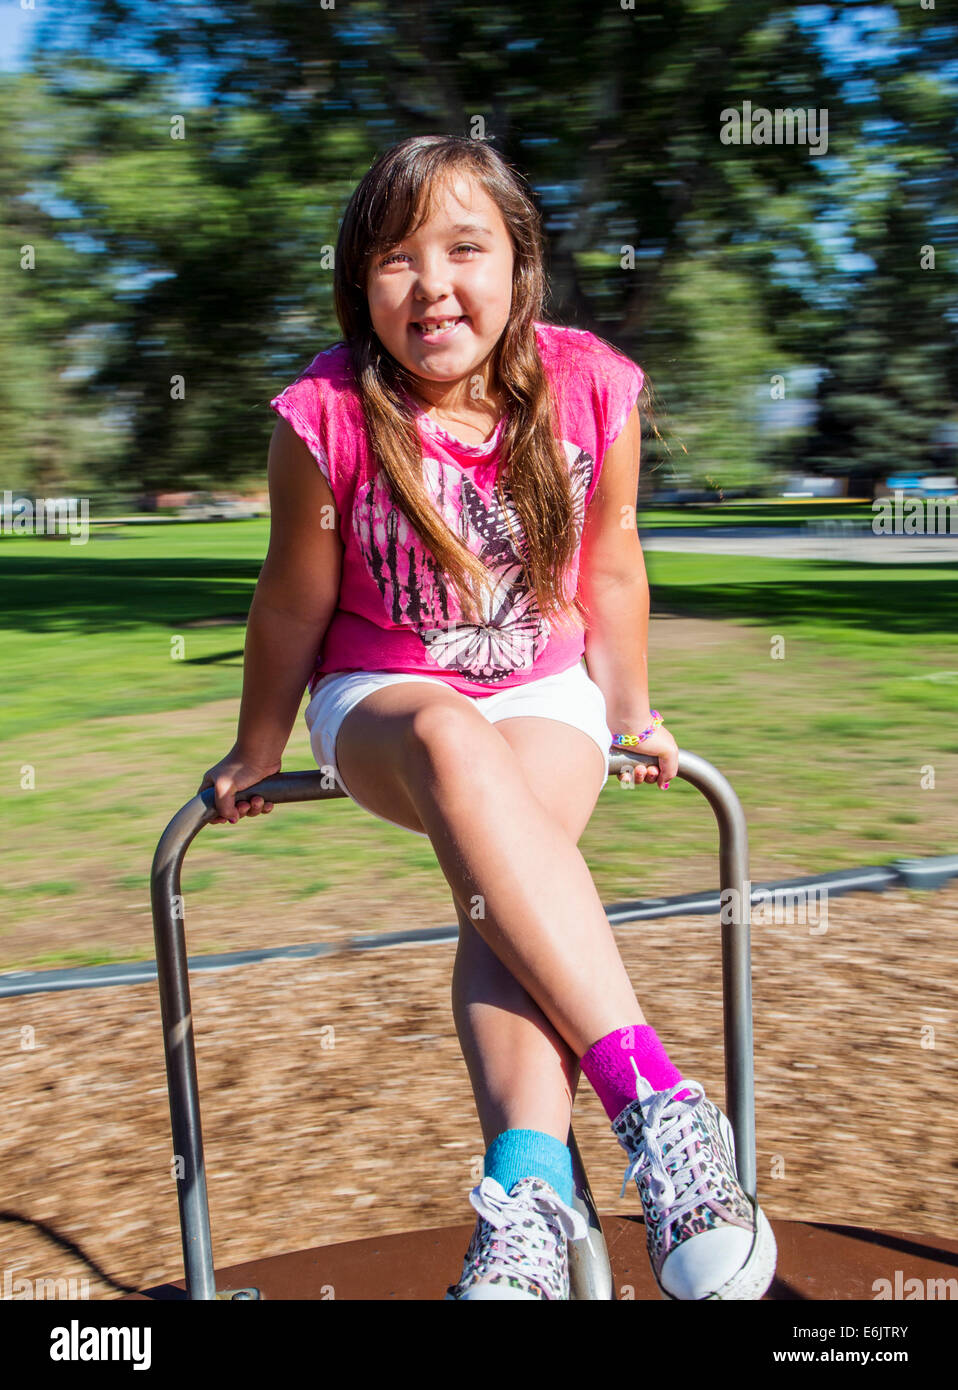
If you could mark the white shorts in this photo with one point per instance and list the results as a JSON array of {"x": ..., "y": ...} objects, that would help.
[{"x": 571, "y": 697}]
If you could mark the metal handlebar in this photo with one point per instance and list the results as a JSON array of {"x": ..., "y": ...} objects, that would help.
[{"x": 593, "y": 1277}]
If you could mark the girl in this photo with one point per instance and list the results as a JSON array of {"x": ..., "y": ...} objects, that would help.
[{"x": 453, "y": 492}]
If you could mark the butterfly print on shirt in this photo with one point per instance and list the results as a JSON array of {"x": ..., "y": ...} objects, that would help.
[{"x": 512, "y": 631}]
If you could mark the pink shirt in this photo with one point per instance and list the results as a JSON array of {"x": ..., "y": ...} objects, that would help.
[{"x": 395, "y": 610}]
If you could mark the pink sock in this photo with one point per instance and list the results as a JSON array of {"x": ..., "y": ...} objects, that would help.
[{"x": 608, "y": 1067}]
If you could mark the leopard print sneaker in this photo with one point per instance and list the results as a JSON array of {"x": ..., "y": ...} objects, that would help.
[
  {"x": 519, "y": 1249},
  {"x": 707, "y": 1238}
]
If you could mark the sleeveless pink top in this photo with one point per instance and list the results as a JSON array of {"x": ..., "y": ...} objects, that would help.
[{"x": 395, "y": 610}]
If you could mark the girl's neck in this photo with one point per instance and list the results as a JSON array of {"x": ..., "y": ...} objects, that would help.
[
  {"x": 472, "y": 396},
  {"x": 461, "y": 410}
]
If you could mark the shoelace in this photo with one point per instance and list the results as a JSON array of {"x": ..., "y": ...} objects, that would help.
[
  {"x": 501, "y": 1210},
  {"x": 662, "y": 1116}
]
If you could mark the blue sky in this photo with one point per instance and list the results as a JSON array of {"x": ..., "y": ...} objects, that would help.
[
  {"x": 845, "y": 30},
  {"x": 17, "y": 28}
]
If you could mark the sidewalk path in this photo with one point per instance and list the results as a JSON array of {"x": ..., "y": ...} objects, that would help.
[{"x": 818, "y": 543}]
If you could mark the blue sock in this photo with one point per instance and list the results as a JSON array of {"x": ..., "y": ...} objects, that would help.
[{"x": 528, "y": 1153}]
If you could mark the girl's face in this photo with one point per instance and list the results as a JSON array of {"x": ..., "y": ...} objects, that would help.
[{"x": 458, "y": 267}]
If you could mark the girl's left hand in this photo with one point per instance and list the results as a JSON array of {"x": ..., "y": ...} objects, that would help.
[{"x": 659, "y": 745}]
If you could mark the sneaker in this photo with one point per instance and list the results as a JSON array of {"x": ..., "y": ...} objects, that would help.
[
  {"x": 519, "y": 1249},
  {"x": 707, "y": 1238}
]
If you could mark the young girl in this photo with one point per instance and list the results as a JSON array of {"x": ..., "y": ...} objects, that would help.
[{"x": 454, "y": 567}]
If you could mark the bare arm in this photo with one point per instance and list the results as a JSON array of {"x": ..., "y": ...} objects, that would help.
[
  {"x": 295, "y": 598},
  {"x": 613, "y": 584}
]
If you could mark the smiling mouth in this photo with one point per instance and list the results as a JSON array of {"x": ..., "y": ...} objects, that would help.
[{"x": 438, "y": 329}]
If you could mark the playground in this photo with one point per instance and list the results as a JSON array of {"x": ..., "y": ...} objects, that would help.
[
  {"x": 307, "y": 1106},
  {"x": 842, "y": 753}
]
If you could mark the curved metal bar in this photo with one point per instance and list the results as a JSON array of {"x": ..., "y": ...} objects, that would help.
[
  {"x": 174, "y": 985},
  {"x": 590, "y": 1273},
  {"x": 735, "y": 919}
]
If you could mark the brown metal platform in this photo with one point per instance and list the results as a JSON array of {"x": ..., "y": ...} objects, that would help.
[{"x": 815, "y": 1262}]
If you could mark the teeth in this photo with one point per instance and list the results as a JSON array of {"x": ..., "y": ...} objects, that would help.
[{"x": 438, "y": 327}]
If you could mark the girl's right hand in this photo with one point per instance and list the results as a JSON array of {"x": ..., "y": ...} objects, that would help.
[{"x": 232, "y": 775}]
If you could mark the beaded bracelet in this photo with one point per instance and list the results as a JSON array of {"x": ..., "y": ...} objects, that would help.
[{"x": 629, "y": 740}]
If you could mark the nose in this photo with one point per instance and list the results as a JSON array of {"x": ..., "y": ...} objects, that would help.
[{"x": 432, "y": 283}]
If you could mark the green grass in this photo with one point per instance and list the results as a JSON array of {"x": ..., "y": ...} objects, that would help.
[
  {"x": 774, "y": 512},
  {"x": 824, "y": 747},
  {"x": 859, "y": 608}
]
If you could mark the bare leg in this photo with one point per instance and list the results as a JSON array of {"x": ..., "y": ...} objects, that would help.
[
  {"x": 421, "y": 756},
  {"x": 524, "y": 1076}
]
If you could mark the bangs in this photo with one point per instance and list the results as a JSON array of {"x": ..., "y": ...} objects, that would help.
[{"x": 397, "y": 211}]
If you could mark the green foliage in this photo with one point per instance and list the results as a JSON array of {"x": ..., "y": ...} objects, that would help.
[{"x": 206, "y": 259}]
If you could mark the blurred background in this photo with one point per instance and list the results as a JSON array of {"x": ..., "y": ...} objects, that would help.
[
  {"x": 172, "y": 179},
  {"x": 181, "y": 171}
]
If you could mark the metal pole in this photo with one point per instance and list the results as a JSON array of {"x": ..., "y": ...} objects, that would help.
[
  {"x": 735, "y": 920},
  {"x": 590, "y": 1271},
  {"x": 590, "y": 1274},
  {"x": 173, "y": 979}
]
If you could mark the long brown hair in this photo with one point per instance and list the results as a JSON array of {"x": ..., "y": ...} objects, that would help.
[{"x": 398, "y": 191}]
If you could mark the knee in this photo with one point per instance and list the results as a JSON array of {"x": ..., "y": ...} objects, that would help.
[{"x": 442, "y": 733}]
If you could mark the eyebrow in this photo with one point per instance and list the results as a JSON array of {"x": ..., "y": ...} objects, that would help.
[{"x": 460, "y": 229}]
